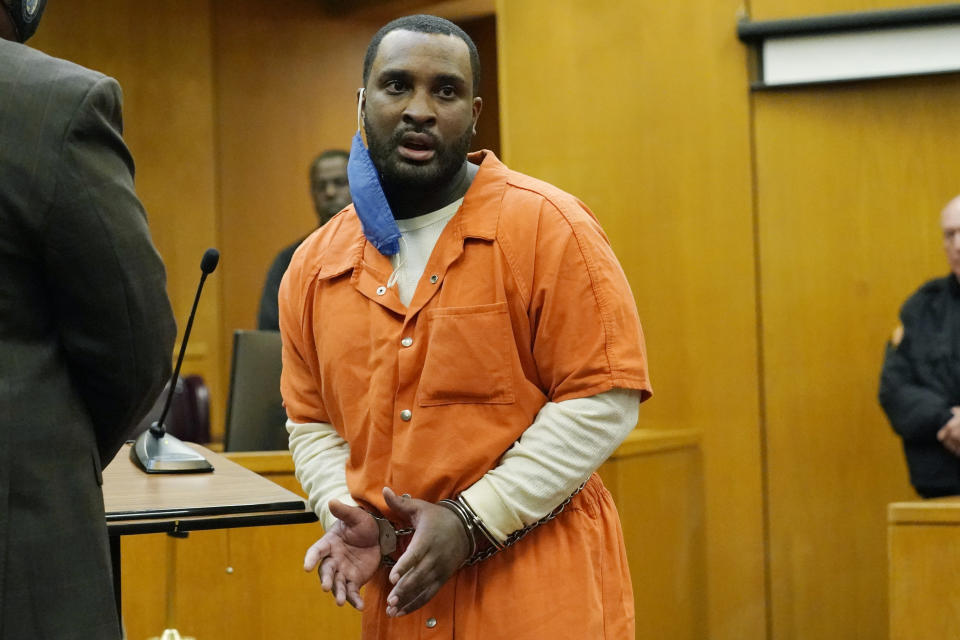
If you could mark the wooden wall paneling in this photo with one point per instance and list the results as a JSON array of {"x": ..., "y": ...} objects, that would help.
[
  {"x": 923, "y": 543},
  {"x": 382, "y": 11},
  {"x": 161, "y": 55},
  {"x": 850, "y": 182},
  {"x": 250, "y": 583},
  {"x": 924, "y": 565},
  {"x": 777, "y": 9},
  {"x": 144, "y": 582},
  {"x": 287, "y": 76},
  {"x": 659, "y": 495},
  {"x": 232, "y": 584},
  {"x": 483, "y": 32},
  {"x": 641, "y": 110}
]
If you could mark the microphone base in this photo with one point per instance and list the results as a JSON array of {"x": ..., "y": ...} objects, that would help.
[{"x": 166, "y": 454}]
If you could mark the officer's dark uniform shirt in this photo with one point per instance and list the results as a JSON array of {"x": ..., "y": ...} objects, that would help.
[
  {"x": 268, "y": 316},
  {"x": 920, "y": 382}
]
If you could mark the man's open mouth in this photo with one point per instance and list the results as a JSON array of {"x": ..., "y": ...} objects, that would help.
[{"x": 417, "y": 147}]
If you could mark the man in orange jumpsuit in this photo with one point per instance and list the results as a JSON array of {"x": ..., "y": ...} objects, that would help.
[{"x": 461, "y": 351}]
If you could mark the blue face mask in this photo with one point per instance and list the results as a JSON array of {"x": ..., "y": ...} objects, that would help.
[{"x": 369, "y": 201}]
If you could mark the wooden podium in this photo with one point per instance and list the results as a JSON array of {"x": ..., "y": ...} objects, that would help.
[
  {"x": 923, "y": 540},
  {"x": 231, "y": 496}
]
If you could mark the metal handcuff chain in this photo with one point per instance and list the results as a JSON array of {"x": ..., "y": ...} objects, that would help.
[
  {"x": 398, "y": 533},
  {"x": 519, "y": 534}
]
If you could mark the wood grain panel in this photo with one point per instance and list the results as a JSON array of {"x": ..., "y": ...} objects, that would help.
[
  {"x": 232, "y": 584},
  {"x": 383, "y": 11},
  {"x": 640, "y": 109},
  {"x": 287, "y": 76},
  {"x": 250, "y": 583},
  {"x": 933, "y": 511},
  {"x": 130, "y": 490},
  {"x": 850, "y": 182},
  {"x": 663, "y": 528},
  {"x": 145, "y": 584},
  {"x": 161, "y": 54},
  {"x": 777, "y": 9},
  {"x": 924, "y": 564}
]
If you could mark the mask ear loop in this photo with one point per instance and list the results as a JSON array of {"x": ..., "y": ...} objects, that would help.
[
  {"x": 399, "y": 271},
  {"x": 359, "y": 116}
]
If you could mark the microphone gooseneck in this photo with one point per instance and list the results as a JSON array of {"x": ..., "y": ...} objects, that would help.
[{"x": 207, "y": 264}]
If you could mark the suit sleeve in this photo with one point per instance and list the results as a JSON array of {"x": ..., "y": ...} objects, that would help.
[
  {"x": 916, "y": 412},
  {"x": 114, "y": 319}
]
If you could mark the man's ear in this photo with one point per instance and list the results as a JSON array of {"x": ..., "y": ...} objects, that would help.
[
  {"x": 361, "y": 103},
  {"x": 477, "y": 107}
]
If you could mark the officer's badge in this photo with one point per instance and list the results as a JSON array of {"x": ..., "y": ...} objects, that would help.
[{"x": 897, "y": 336}]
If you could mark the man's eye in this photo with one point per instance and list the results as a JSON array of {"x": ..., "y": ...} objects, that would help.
[
  {"x": 447, "y": 92},
  {"x": 395, "y": 86}
]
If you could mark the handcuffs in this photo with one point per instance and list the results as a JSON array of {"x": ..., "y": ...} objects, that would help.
[
  {"x": 389, "y": 535},
  {"x": 388, "y": 538}
]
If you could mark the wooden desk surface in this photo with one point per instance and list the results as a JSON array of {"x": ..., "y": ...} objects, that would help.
[
  {"x": 938, "y": 510},
  {"x": 230, "y": 496}
]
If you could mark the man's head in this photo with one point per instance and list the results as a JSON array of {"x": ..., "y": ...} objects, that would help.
[
  {"x": 423, "y": 24},
  {"x": 420, "y": 108},
  {"x": 950, "y": 224},
  {"x": 19, "y": 19},
  {"x": 328, "y": 184}
]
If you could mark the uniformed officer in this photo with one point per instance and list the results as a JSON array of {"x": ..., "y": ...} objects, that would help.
[{"x": 920, "y": 382}]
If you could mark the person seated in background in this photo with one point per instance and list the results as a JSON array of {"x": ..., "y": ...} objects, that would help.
[
  {"x": 331, "y": 193},
  {"x": 920, "y": 382}
]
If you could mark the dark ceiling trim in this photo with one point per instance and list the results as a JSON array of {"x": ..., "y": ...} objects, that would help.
[{"x": 752, "y": 32}]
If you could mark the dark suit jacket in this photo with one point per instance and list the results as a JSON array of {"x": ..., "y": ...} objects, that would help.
[{"x": 86, "y": 338}]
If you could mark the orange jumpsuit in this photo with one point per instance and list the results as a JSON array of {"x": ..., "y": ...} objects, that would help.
[{"x": 522, "y": 302}]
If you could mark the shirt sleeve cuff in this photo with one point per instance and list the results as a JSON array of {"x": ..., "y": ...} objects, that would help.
[{"x": 486, "y": 503}]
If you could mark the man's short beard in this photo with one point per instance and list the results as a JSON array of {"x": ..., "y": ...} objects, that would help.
[{"x": 396, "y": 174}]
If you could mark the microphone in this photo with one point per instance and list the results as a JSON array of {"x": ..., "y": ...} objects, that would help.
[{"x": 156, "y": 451}]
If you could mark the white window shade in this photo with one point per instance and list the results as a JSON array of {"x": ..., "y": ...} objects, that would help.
[
  {"x": 870, "y": 54},
  {"x": 846, "y": 47}
]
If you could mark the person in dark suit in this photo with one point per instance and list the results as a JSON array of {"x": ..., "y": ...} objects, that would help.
[
  {"x": 920, "y": 381},
  {"x": 331, "y": 193},
  {"x": 86, "y": 333}
]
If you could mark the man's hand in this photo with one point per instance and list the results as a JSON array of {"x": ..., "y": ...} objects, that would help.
[
  {"x": 949, "y": 434},
  {"x": 439, "y": 547},
  {"x": 348, "y": 554}
]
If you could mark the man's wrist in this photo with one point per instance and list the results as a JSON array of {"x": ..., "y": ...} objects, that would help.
[{"x": 465, "y": 523}]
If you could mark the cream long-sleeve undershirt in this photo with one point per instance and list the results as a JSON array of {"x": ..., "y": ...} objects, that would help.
[{"x": 567, "y": 441}]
